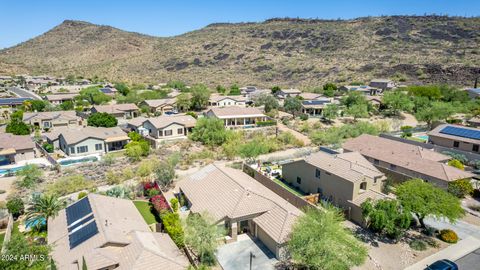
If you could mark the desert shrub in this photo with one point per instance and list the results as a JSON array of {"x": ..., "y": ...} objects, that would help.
[
  {"x": 173, "y": 226},
  {"x": 16, "y": 207},
  {"x": 69, "y": 184},
  {"x": 303, "y": 116},
  {"x": 460, "y": 188},
  {"x": 288, "y": 138},
  {"x": 108, "y": 159},
  {"x": 174, "y": 203},
  {"x": 48, "y": 147},
  {"x": 418, "y": 245},
  {"x": 456, "y": 163},
  {"x": 432, "y": 242},
  {"x": 112, "y": 178},
  {"x": 266, "y": 123},
  {"x": 448, "y": 236},
  {"x": 406, "y": 131},
  {"x": 81, "y": 195}
]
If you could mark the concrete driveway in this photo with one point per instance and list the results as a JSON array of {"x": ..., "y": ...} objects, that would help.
[
  {"x": 462, "y": 228},
  {"x": 236, "y": 256}
]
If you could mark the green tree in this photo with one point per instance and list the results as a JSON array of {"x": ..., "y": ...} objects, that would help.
[
  {"x": 431, "y": 92},
  {"x": 101, "y": 120},
  {"x": 122, "y": 88},
  {"x": 15, "y": 207},
  {"x": 29, "y": 176},
  {"x": 164, "y": 173},
  {"x": 67, "y": 105},
  {"x": 93, "y": 96},
  {"x": 18, "y": 246},
  {"x": 268, "y": 101},
  {"x": 423, "y": 200},
  {"x": 329, "y": 89},
  {"x": 177, "y": 85},
  {"x": 386, "y": 216},
  {"x": 357, "y": 111},
  {"x": 252, "y": 149},
  {"x": 435, "y": 112},
  {"x": 292, "y": 105},
  {"x": 17, "y": 127},
  {"x": 354, "y": 98},
  {"x": 234, "y": 90},
  {"x": 44, "y": 207},
  {"x": 456, "y": 163},
  {"x": 134, "y": 150},
  {"x": 460, "y": 188},
  {"x": 220, "y": 89},
  {"x": 200, "y": 95},
  {"x": 275, "y": 89},
  {"x": 183, "y": 102},
  {"x": 397, "y": 101},
  {"x": 37, "y": 105},
  {"x": 210, "y": 131},
  {"x": 201, "y": 234},
  {"x": 319, "y": 241},
  {"x": 330, "y": 112}
]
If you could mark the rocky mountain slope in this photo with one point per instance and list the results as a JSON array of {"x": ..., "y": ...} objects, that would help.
[{"x": 286, "y": 52}]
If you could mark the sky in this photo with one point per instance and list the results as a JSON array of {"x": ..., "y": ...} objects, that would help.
[{"x": 22, "y": 20}]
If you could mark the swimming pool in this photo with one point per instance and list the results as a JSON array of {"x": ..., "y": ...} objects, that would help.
[
  {"x": 68, "y": 162},
  {"x": 10, "y": 170},
  {"x": 34, "y": 223},
  {"x": 423, "y": 137}
]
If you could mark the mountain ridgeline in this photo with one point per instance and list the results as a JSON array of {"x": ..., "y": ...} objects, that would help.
[{"x": 285, "y": 52}]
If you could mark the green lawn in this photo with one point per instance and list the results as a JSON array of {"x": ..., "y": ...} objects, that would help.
[
  {"x": 289, "y": 188},
  {"x": 144, "y": 209}
]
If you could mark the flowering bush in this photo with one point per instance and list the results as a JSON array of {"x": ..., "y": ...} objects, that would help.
[
  {"x": 448, "y": 236},
  {"x": 160, "y": 203}
]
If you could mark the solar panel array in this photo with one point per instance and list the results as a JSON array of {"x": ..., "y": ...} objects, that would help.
[
  {"x": 461, "y": 132},
  {"x": 81, "y": 224}
]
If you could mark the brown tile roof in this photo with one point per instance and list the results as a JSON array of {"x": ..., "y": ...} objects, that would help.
[
  {"x": 115, "y": 108},
  {"x": 436, "y": 132},
  {"x": 123, "y": 238},
  {"x": 291, "y": 91},
  {"x": 350, "y": 166},
  {"x": 229, "y": 193},
  {"x": 310, "y": 96},
  {"x": 77, "y": 134},
  {"x": 55, "y": 115},
  {"x": 235, "y": 111},
  {"x": 60, "y": 97},
  {"x": 166, "y": 120},
  {"x": 218, "y": 98},
  {"x": 155, "y": 103},
  {"x": 370, "y": 194},
  {"x": 17, "y": 142},
  {"x": 411, "y": 157}
]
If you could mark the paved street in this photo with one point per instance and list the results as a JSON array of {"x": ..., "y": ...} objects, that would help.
[
  {"x": 470, "y": 261},
  {"x": 24, "y": 93}
]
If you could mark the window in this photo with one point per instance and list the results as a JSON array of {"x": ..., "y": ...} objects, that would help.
[
  {"x": 72, "y": 150},
  {"x": 180, "y": 131},
  {"x": 317, "y": 173},
  {"x": 98, "y": 147},
  {"x": 299, "y": 180},
  {"x": 82, "y": 149},
  {"x": 363, "y": 186},
  {"x": 168, "y": 132},
  {"x": 376, "y": 161},
  {"x": 393, "y": 167},
  {"x": 456, "y": 144},
  {"x": 160, "y": 133},
  {"x": 46, "y": 124},
  {"x": 475, "y": 148}
]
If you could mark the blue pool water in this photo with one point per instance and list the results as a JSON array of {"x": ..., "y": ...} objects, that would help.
[
  {"x": 11, "y": 170},
  {"x": 75, "y": 161},
  {"x": 33, "y": 223},
  {"x": 423, "y": 137}
]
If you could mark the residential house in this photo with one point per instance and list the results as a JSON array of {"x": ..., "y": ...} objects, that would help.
[
  {"x": 402, "y": 161},
  {"x": 310, "y": 96},
  {"x": 456, "y": 137},
  {"x": 241, "y": 204},
  {"x": 82, "y": 141},
  {"x": 160, "y": 106},
  {"x": 474, "y": 122},
  {"x": 346, "y": 179},
  {"x": 15, "y": 148},
  {"x": 238, "y": 117},
  {"x": 473, "y": 93},
  {"x": 163, "y": 127},
  {"x": 119, "y": 111},
  {"x": 383, "y": 84},
  {"x": 49, "y": 120},
  {"x": 364, "y": 89},
  {"x": 315, "y": 107},
  {"x": 284, "y": 93},
  {"x": 247, "y": 89},
  {"x": 60, "y": 98},
  {"x": 100, "y": 232},
  {"x": 109, "y": 91},
  {"x": 12, "y": 103},
  {"x": 226, "y": 101}
]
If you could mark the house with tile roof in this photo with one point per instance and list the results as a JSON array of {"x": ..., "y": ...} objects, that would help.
[
  {"x": 238, "y": 117},
  {"x": 284, "y": 93},
  {"x": 241, "y": 204},
  {"x": 456, "y": 137},
  {"x": 60, "y": 98},
  {"x": 226, "y": 101},
  {"x": 81, "y": 141},
  {"x": 160, "y": 106},
  {"x": 109, "y": 233},
  {"x": 119, "y": 111},
  {"x": 346, "y": 179},
  {"x": 402, "y": 161},
  {"x": 49, "y": 120},
  {"x": 165, "y": 127},
  {"x": 15, "y": 148}
]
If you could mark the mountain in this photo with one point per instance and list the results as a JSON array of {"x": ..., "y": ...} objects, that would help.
[{"x": 285, "y": 52}]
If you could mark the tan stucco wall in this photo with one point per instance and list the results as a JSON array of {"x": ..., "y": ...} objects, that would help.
[
  {"x": 465, "y": 146},
  {"x": 25, "y": 154},
  {"x": 267, "y": 241},
  {"x": 90, "y": 142},
  {"x": 173, "y": 127}
]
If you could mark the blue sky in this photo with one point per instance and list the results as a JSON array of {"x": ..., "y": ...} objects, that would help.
[{"x": 22, "y": 20}]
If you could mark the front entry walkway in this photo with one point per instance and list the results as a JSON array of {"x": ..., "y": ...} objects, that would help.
[{"x": 236, "y": 256}]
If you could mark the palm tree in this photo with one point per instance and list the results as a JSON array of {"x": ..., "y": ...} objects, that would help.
[{"x": 43, "y": 207}]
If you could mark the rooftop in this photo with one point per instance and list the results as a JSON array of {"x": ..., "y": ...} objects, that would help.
[
  {"x": 12, "y": 101},
  {"x": 165, "y": 120},
  {"x": 17, "y": 142},
  {"x": 115, "y": 108},
  {"x": 455, "y": 132},
  {"x": 218, "y": 98},
  {"x": 55, "y": 115},
  {"x": 60, "y": 97},
  {"x": 235, "y": 111},
  {"x": 73, "y": 135},
  {"x": 160, "y": 102}
]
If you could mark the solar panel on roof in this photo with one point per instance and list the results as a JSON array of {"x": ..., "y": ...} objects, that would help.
[
  {"x": 461, "y": 132},
  {"x": 80, "y": 223},
  {"x": 83, "y": 234},
  {"x": 78, "y": 210}
]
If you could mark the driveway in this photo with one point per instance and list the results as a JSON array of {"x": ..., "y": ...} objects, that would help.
[
  {"x": 470, "y": 261},
  {"x": 236, "y": 256},
  {"x": 462, "y": 228},
  {"x": 24, "y": 93}
]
